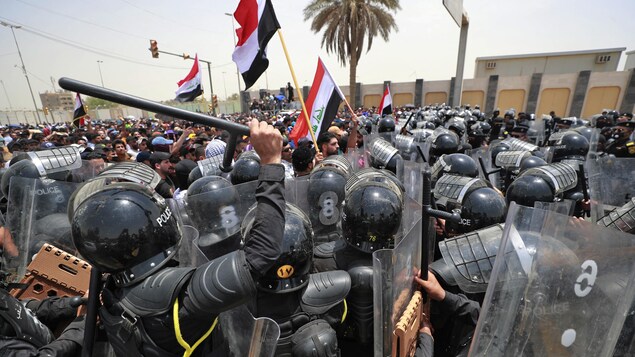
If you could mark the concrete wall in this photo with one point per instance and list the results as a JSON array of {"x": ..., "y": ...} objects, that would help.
[
  {"x": 630, "y": 60},
  {"x": 546, "y": 64}
]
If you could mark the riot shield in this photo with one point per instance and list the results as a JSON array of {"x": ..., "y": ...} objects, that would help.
[
  {"x": 89, "y": 169},
  {"x": 133, "y": 172},
  {"x": 217, "y": 216},
  {"x": 211, "y": 166},
  {"x": 410, "y": 174},
  {"x": 559, "y": 287},
  {"x": 36, "y": 214},
  {"x": 357, "y": 158},
  {"x": 471, "y": 256},
  {"x": 393, "y": 278},
  {"x": 519, "y": 145},
  {"x": 56, "y": 160},
  {"x": 248, "y": 336},
  {"x": 610, "y": 184},
  {"x": 622, "y": 218}
]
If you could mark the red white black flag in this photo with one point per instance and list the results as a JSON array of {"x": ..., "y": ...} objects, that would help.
[
  {"x": 322, "y": 103},
  {"x": 258, "y": 23},
  {"x": 190, "y": 86},
  {"x": 385, "y": 106},
  {"x": 79, "y": 112}
]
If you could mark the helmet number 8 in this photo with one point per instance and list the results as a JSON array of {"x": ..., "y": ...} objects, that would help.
[
  {"x": 329, "y": 213},
  {"x": 228, "y": 216}
]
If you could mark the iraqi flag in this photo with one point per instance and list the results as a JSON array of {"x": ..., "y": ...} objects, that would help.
[
  {"x": 190, "y": 86},
  {"x": 80, "y": 112},
  {"x": 385, "y": 106},
  {"x": 322, "y": 103},
  {"x": 258, "y": 23}
]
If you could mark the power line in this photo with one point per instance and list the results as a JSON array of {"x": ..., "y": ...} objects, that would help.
[
  {"x": 86, "y": 48},
  {"x": 82, "y": 21},
  {"x": 181, "y": 24},
  {"x": 83, "y": 47}
]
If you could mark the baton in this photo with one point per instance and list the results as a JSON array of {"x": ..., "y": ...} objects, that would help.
[
  {"x": 585, "y": 189},
  {"x": 94, "y": 290},
  {"x": 235, "y": 130},
  {"x": 405, "y": 126}
]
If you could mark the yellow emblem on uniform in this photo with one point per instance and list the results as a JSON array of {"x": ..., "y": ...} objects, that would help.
[
  {"x": 285, "y": 271},
  {"x": 631, "y": 150}
]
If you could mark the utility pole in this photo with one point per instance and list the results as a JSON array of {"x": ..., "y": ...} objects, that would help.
[
  {"x": 99, "y": 62},
  {"x": 23, "y": 67},
  {"x": 155, "y": 54}
]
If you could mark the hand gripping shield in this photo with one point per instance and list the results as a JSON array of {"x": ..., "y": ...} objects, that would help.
[{"x": 557, "y": 288}]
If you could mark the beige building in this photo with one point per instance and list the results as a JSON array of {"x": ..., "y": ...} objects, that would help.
[
  {"x": 61, "y": 100},
  {"x": 601, "y": 60},
  {"x": 630, "y": 60}
]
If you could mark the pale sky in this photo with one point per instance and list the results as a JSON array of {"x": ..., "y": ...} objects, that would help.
[{"x": 117, "y": 32}]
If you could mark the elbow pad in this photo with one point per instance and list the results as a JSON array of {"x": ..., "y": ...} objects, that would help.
[{"x": 221, "y": 284}]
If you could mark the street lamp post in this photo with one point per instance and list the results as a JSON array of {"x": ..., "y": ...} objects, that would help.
[
  {"x": 99, "y": 62},
  {"x": 8, "y": 100},
  {"x": 23, "y": 67},
  {"x": 234, "y": 38}
]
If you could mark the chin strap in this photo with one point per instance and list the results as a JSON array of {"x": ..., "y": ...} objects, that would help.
[{"x": 177, "y": 331}]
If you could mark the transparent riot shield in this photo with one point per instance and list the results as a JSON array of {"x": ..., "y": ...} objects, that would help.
[
  {"x": 471, "y": 257},
  {"x": 610, "y": 184},
  {"x": 411, "y": 175},
  {"x": 36, "y": 214},
  {"x": 211, "y": 166},
  {"x": 89, "y": 169},
  {"x": 536, "y": 132},
  {"x": 393, "y": 278},
  {"x": 249, "y": 336},
  {"x": 56, "y": 160},
  {"x": 559, "y": 287},
  {"x": 357, "y": 158},
  {"x": 217, "y": 216},
  {"x": 132, "y": 172}
]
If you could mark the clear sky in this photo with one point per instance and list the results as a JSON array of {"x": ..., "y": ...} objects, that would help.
[{"x": 117, "y": 32}]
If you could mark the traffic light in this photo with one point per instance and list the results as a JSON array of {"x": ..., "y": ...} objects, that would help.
[
  {"x": 46, "y": 110},
  {"x": 154, "y": 49},
  {"x": 214, "y": 101},
  {"x": 211, "y": 108}
]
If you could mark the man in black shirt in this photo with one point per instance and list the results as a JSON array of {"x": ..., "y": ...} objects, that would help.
[{"x": 160, "y": 162}]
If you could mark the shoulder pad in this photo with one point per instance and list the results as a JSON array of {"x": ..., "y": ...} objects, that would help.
[
  {"x": 156, "y": 293},
  {"x": 630, "y": 143},
  {"x": 324, "y": 291}
]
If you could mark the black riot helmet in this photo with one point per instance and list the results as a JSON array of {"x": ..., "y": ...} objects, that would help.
[
  {"x": 371, "y": 214},
  {"x": 445, "y": 143},
  {"x": 571, "y": 146},
  {"x": 124, "y": 229},
  {"x": 585, "y": 131},
  {"x": 529, "y": 189},
  {"x": 22, "y": 168},
  {"x": 386, "y": 125},
  {"x": 194, "y": 175},
  {"x": 246, "y": 168},
  {"x": 498, "y": 148},
  {"x": 531, "y": 161},
  {"x": 384, "y": 156},
  {"x": 325, "y": 194},
  {"x": 291, "y": 270},
  {"x": 456, "y": 125},
  {"x": 480, "y": 208},
  {"x": 458, "y": 164},
  {"x": 205, "y": 199}
]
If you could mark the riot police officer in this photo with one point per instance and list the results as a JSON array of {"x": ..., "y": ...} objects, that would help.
[
  {"x": 150, "y": 307},
  {"x": 623, "y": 144},
  {"x": 304, "y": 305},
  {"x": 371, "y": 219}
]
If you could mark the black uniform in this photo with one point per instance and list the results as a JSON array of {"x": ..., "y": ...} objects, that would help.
[
  {"x": 355, "y": 335},
  {"x": 139, "y": 318},
  {"x": 23, "y": 334},
  {"x": 622, "y": 148}
]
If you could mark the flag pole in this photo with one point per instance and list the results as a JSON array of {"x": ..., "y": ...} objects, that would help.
[{"x": 295, "y": 81}]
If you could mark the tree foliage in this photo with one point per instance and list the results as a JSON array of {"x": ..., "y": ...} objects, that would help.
[{"x": 350, "y": 26}]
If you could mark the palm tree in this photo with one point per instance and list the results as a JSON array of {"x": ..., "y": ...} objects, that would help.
[{"x": 347, "y": 24}]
